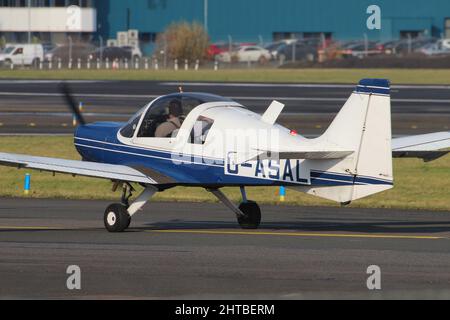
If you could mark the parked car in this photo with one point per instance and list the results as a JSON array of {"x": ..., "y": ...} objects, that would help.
[
  {"x": 436, "y": 49},
  {"x": 22, "y": 54},
  {"x": 136, "y": 52},
  {"x": 274, "y": 48},
  {"x": 445, "y": 43},
  {"x": 246, "y": 54},
  {"x": 110, "y": 53},
  {"x": 406, "y": 46},
  {"x": 297, "y": 51},
  {"x": 388, "y": 47},
  {"x": 65, "y": 52},
  {"x": 48, "y": 47},
  {"x": 359, "y": 49},
  {"x": 218, "y": 48}
]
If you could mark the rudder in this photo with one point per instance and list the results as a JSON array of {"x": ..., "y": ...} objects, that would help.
[{"x": 364, "y": 126}]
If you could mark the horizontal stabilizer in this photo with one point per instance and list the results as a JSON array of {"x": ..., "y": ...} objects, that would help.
[
  {"x": 240, "y": 158},
  {"x": 310, "y": 155},
  {"x": 426, "y": 146}
]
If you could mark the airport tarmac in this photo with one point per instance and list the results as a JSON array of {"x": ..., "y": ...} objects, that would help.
[
  {"x": 37, "y": 107},
  {"x": 197, "y": 251}
]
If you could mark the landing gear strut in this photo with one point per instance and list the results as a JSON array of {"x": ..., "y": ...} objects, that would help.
[
  {"x": 127, "y": 193},
  {"x": 248, "y": 213},
  {"x": 117, "y": 216}
]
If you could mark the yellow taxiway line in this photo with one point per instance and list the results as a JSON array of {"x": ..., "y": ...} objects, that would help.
[
  {"x": 299, "y": 234},
  {"x": 30, "y": 228},
  {"x": 255, "y": 233}
]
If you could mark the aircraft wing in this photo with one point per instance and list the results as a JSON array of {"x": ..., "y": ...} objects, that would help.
[
  {"x": 427, "y": 146},
  {"x": 81, "y": 168}
]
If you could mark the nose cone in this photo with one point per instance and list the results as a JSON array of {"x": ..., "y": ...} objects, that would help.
[
  {"x": 90, "y": 139},
  {"x": 98, "y": 130}
]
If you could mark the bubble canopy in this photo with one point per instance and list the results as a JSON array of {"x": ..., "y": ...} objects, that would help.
[{"x": 158, "y": 110}]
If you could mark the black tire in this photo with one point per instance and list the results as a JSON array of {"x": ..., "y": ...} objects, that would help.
[
  {"x": 252, "y": 217},
  {"x": 128, "y": 223},
  {"x": 116, "y": 218}
]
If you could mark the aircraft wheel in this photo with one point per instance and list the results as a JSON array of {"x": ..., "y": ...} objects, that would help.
[
  {"x": 116, "y": 218},
  {"x": 252, "y": 217}
]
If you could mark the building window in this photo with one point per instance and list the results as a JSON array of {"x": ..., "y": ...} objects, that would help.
[
  {"x": 317, "y": 35},
  {"x": 447, "y": 28},
  {"x": 277, "y": 36},
  {"x": 147, "y": 37},
  {"x": 407, "y": 34}
]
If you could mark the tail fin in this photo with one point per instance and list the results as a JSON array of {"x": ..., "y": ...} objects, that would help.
[{"x": 364, "y": 126}]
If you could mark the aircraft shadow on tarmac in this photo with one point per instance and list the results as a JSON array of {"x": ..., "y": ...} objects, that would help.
[
  {"x": 375, "y": 227},
  {"x": 370, "y": 227}
]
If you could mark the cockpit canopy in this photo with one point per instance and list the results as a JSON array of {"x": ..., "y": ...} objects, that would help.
[{"x": 166, "y": 113}]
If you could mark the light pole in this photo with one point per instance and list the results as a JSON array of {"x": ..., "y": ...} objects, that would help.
[
  {"x": 70, "y": 47},
  {"x": 205, "y": 14},
  {"x": 29, "y": 21},
  {"x": 101, "y": 48}
]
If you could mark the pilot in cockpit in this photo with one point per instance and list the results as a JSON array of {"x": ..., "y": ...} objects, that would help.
[{"x": 173, "y": 122}]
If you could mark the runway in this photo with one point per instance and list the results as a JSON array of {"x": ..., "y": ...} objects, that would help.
[
  {"x": 37, "y": 107},
  {"x": 196, "y": 251}
]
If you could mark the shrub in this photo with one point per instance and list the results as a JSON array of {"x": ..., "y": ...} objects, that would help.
[{"x": 183, "y": 40}]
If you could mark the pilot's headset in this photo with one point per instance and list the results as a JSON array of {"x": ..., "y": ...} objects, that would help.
[{"x": 176, "y": 109}]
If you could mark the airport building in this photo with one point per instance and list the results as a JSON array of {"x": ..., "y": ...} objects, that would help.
[
  {"x": 251, "y": 20},
  {"x": 47, "y": 20},
  {"x": 235, "y": 20}
]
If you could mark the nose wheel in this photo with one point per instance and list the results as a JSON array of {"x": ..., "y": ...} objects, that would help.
[{"x": 116, "y": 218}]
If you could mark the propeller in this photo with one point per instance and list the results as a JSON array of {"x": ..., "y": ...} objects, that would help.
[{"x": 65, "y": 90}]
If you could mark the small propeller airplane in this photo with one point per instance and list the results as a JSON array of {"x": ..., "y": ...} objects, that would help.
[{"x": 183, "y": 139}]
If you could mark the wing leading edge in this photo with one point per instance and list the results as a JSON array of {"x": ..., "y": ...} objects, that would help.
[{"x": 81, "y": 168}]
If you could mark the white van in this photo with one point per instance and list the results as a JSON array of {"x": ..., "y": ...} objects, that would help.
[
  {"x": 445, "y": 43},
  {"x": 22, "y": 54}
]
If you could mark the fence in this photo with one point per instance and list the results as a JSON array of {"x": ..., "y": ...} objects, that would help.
[
  {"x": 291, "y": 53},
  {"x": 136, "y": 64}
]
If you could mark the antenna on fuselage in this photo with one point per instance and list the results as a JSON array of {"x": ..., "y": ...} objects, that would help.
[{"x": 73, "y": 106}]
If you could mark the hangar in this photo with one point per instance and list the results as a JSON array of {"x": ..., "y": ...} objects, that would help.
[
  {"x": 251, "y": 20},
  {"x": 236, "y": 20}
]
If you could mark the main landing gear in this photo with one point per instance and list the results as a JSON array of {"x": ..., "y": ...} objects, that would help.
[
  {"x": 117, "y": 216},
  {"x": 248, "y": 213}
]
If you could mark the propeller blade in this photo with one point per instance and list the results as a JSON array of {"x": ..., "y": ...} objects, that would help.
[{"x": 65, "y": 90}]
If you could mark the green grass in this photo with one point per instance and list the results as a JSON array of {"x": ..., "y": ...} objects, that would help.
[
  {"x": 418, "y": 185},
  {"x": 397, "y": 76}
]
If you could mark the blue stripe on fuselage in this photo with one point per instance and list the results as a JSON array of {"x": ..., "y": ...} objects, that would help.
[{"x": 195, "y": 170}]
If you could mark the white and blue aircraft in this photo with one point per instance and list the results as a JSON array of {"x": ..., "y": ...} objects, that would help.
[{"x": 183, "y": 139}]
